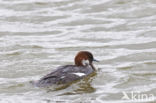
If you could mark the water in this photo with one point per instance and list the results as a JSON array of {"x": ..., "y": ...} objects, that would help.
[{"x": 36, "y": 36}]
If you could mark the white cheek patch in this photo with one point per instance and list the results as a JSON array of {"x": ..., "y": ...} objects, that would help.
[
  {"x": 85, "y": 62},
  {"x": 79, "y": 74}
]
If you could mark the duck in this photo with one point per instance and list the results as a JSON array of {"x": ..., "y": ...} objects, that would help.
[{"x": 82, "y": 68}]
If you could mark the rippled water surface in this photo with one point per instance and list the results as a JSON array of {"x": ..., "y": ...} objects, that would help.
[{"x": 36, "y": 36}]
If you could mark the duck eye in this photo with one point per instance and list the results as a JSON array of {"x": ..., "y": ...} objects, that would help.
[{"x": 91, "y": 58}]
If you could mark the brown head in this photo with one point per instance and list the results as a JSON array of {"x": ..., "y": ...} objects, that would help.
[{"x": 84, "y": 58}]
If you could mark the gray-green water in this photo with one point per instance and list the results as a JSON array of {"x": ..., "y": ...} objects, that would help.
[{"x": 36, "y": 36}]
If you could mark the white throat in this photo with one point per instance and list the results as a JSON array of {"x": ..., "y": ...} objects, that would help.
[{"x": 85, "y": 62}]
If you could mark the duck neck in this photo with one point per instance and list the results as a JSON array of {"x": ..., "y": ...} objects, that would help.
[{"x": 93, "y": 67}]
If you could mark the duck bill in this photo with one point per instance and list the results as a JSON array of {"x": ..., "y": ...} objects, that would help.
[{"x": 95, "y": 60}]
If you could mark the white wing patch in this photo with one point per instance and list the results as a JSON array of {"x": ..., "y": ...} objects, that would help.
[
  {"x": 63, "y": 77},
  {"x": 79, "y": 74}
]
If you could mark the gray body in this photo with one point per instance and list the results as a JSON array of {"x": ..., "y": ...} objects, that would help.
[{"x": 64, "y": 74}]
